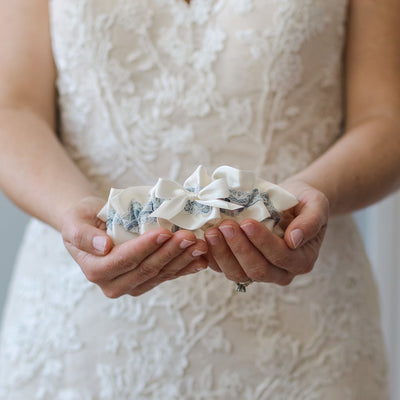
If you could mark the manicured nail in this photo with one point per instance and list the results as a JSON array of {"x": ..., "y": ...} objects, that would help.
[
  {"x": 186, "y": 243},
  {"x": 100, "y": 243},
  {"x": 248, "y": 228},
  {"x": 197, "y": 253},
  {"x": 227, "y": 231},
  {"x": 212, "y": 239},
  {"x": 162, "y": 238},
  {"x": 297, "y": 237}
]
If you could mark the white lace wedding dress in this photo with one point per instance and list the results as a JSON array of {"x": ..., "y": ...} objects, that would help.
[{"x": 151, "y": 88}]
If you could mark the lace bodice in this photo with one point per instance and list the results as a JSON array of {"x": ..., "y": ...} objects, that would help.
[
  {"x": 153, "y": 88},
  {"x": 162, "y": 87}
]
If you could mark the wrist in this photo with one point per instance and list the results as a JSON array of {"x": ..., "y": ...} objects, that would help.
[{"x": 300, "y": 187}]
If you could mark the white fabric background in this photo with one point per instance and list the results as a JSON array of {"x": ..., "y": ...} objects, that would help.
[{"x": 379, "y": 224}]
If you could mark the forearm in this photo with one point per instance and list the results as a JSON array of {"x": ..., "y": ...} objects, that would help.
[
  {"x": 35, "y": 171},
  {"x": 361, "y": 168}
]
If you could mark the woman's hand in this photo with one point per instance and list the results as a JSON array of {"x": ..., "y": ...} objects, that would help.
[
  {"x": 133, "y": 267},
  {"x": 251, "y": 251}
]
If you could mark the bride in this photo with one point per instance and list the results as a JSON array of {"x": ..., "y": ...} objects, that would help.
[{"x": 98, "y": 94}]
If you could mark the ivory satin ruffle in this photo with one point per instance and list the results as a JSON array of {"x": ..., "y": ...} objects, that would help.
[{"x": 202, "y": 201}]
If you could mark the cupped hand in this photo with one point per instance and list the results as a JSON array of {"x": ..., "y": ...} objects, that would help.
[
  {"x": 252, "y": 251},
  {"x": 135, "y": 266}
]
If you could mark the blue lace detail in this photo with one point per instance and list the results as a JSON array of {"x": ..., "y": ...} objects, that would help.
[
  {"x": 247, "y": 199},
  {"x": 136, "y": 216},
  {"x": 192, "y": 207},
  {"x": 196, "y": 208}
]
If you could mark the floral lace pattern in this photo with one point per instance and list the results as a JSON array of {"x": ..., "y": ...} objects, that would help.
[
  {"x": 162, "y": 86},
  {"x": 165, "y": 76}
]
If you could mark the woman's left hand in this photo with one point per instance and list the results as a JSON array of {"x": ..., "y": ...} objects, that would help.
[{"x": 252, "y": 251}]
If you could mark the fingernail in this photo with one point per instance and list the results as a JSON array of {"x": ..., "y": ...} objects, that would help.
[
  {"x": 162, "y": 238},
  {"x": 227, "y": 231},
  {"x": 248, "y": 229},
  {"x": 100, "y": 243},
  {"x": 297, "y": 237},
  {"x": 212, "y": 239},
  {"x": 200, "y": 269},
  {"x": 186, "y": 243},
  {"x": 197, "y": 253}
]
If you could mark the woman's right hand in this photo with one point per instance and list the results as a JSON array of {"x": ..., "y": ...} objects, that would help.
[{"x": 133, "y": 267}]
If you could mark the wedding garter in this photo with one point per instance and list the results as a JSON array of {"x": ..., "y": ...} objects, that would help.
[{"x": 201, "y": 202}]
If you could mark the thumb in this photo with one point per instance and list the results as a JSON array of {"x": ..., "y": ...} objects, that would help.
[
  {"x": 87, "y": 238},
  {"x": 83, "y": 230},
  {"x": 311, "y": 220}
]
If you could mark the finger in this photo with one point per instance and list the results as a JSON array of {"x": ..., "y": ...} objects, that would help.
[
  {"x": 211, "y": 261},
  {"x": 287, "y": 217},
  {"x": 223, "y": 256},
  {"x": 121, "y": 258},
  {"x": 150, "y": 266},
  {"x": 195, "y": 266},
  {"x": 256, "y": 266},
  {"x": 173, "y": 268},
  {"x": 87, "y": 237},
  {"x": 311, "y": 216},
  {"x": 277, "y": 252},
  {"x": 198, "y": 265},
  {"x": 81, "y": 228}
]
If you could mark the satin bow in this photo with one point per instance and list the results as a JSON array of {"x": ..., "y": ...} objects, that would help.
[{"x": 192, "y": 205}]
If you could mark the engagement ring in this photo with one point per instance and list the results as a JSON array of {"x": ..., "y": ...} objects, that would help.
[{"x": 241, "y": 286}]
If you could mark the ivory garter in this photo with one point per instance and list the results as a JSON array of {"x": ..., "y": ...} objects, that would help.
[{"x": 201, "y": 202}]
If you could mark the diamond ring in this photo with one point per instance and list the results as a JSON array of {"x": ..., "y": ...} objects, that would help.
[{"x": 241, "y": 286}]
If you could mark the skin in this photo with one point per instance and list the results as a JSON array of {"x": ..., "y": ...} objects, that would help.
[{"x": 362, "y": 167}]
